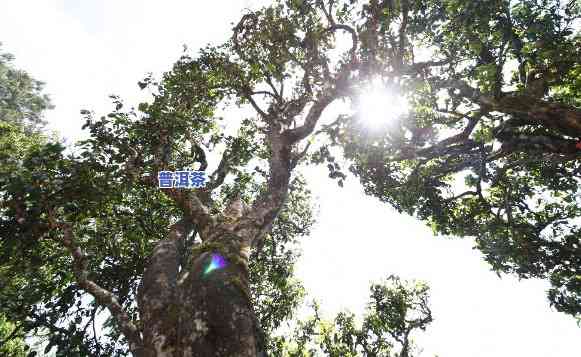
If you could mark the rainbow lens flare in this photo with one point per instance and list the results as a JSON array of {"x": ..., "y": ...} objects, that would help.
[{"x": 217, "y": 262}]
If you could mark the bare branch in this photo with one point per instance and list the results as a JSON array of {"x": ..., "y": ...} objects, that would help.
[
  {"x": 439, "y": 149},
  {"x": 265, "y": 92},
  {"x": 276, "y": 94},
  {"x": 466, "y": 91},
  {"x": 497, "y": 155},
  {"x": 240, "y": 27},
  {"x": 463, "y": 136},
  {"x": 281, "y": 90},
  {"x": 354, "y": 38},
  {"x": 450, "y": 169},
  {"x": 248, "y": 21},
  {"x": 247, "y": 93},
  {"x": 467, "y": 193},
  {"x": 328, "y": 12},
  {"x": 188, "y": 201}
]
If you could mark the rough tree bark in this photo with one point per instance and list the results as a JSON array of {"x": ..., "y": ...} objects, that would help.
[{"x": 198, "y": 310}]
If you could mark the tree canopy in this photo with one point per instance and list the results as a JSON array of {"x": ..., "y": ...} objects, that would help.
[
  {"x": 496, "y": 111},
  {"x": 489, "y": 148}
]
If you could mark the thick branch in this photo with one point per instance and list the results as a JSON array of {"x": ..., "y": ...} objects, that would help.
[
  {"x": 458, "y": 138},
  {"x": 467, "y": 193},
  {"x": 265, "y": 92},
  {"x": 563, "y": 118},
  {"x": 524, "y": 143},
  {"x": 296, "y": 157},
  {"x": 281, "y": 163},
  {"x": 219, "y": 175},
  {"x": 440, "y": 149},
  {"x": 260, "y": 217},
  {"x": 301, "y": 132}
]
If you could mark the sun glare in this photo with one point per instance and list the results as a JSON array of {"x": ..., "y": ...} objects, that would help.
[{"x": 379, "y": 105}]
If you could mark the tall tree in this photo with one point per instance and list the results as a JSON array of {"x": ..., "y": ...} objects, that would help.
[{"x": 170, "y": 296}]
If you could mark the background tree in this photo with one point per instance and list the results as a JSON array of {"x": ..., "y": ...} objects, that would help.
[
  {"x": 164, "y": 298},
  {"x": 22, "y": 106},
  {"x": 396, "y": 309},
  {"x": 21, "y": 99}
]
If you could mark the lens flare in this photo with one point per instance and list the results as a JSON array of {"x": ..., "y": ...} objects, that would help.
[
  {"x": 217, "y": 262},
  {"x": 379, "y": 105}
]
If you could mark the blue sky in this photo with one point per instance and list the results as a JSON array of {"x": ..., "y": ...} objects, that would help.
[{"x": 87, "y": 50}]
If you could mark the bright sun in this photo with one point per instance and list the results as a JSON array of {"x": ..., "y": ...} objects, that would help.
[{"x": 379, "y": 105}]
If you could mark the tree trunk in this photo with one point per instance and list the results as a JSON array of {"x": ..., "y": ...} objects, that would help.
[{"x": 203, "y": 310}]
